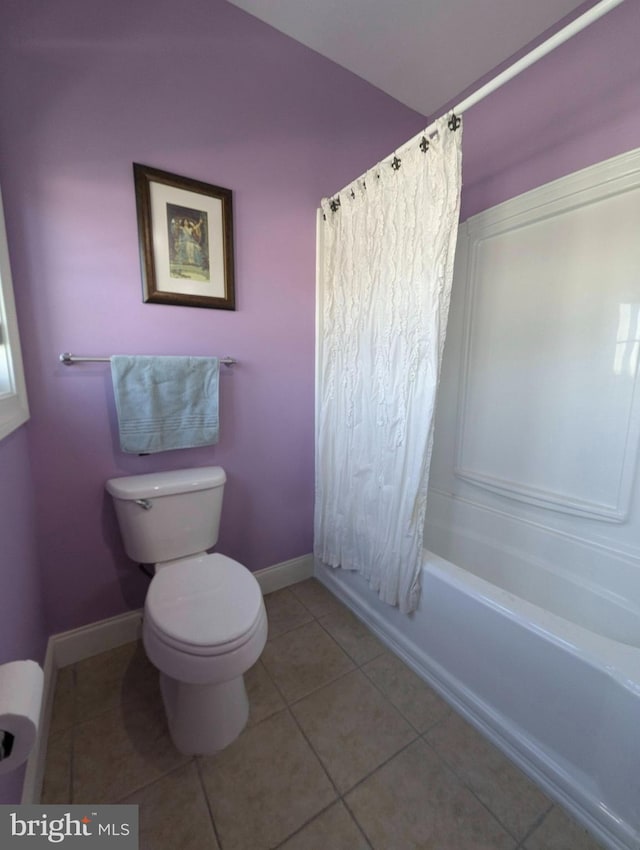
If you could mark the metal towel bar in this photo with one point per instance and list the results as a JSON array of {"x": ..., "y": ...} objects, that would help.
[{"x": 69, "y": 359}]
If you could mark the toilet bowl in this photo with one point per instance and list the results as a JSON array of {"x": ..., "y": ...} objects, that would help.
[
  {"x": 204, "y": 626},
  {"x": 204, "y": 621}
]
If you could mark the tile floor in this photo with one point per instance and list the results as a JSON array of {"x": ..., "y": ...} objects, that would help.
[{"x": 346, "y": 749}]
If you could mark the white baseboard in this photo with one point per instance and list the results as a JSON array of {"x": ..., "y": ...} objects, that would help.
[
  {"x": 94, "y": 638},
  {"x": 75, "y": 645},
  {"x": 284, "y": 574}
]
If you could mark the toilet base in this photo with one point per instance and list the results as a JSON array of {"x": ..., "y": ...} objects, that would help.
[{"x": 204, "y": 719}]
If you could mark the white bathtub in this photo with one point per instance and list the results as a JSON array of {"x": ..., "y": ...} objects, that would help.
[{"x": 560, "y": 699}]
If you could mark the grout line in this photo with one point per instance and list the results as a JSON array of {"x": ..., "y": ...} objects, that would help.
[
  {"x": 72, "y": 731},
  {"x": 467, "y": 785},
  {"x": 357, "y": 823},
  {"x": 339, "y": 800},
  {"x": 153, "y": 781},
  {"x": 288, "y": 629},
  {"x": 320, "y": 687},
  {"x": 208, "y": 802},
  {"x": 315, "y": 615},
  {"x": 297, "y": 699},
  {"x": 287, "y": 707},
  {"x": 359, "y": 664},
  {"x": 306, "y": 824},
  {"x": 318, "y": 619},
  {"x": 340, "y": 797},
  {"x": 72, "y": 757},
  {"x": 538, "y": 822},
  {"x": 391, "y": 702},
  {"x": 273, "y": 682},
  {"x": 433, "y": 723},
  {"x": 379, "y": 767},
  {"x": 439, "y": 721},
  {"x": 316, "y": 754}
]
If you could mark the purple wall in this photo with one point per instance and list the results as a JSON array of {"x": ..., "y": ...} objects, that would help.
[
  {"x": 200, "y": 89},
  {"x": 577, "y": 106},
  {"x": 22, "y": 623}
]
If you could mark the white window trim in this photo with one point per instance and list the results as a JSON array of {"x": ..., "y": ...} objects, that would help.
[{"x": 14, "y": 407}]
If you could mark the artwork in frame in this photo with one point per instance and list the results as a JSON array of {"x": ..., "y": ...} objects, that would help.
[{"x": 185, "y": 232}]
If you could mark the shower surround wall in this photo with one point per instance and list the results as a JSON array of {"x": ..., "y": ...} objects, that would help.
[{"x": 203, "y": 90}]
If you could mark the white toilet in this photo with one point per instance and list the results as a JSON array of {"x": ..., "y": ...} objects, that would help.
[{"x": 204, "y": 622}]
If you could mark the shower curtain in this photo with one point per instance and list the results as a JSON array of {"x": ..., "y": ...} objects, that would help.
[{"x": 385, "y": 269}]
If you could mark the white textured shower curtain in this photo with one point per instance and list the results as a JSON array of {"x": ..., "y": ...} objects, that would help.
[{"x": 385, "y": 271}]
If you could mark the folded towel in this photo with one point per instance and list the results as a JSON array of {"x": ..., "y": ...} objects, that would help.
[{"x": 165, "y": 403}]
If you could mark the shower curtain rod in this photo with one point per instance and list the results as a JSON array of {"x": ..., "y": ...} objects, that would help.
[
  {"x": 567, "y": 32},
  {"x": 538, "y": 52}
]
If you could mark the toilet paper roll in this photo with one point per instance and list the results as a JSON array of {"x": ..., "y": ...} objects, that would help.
[{"x": 21, "y": 685}]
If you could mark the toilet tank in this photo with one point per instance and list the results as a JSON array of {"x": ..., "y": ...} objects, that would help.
[{"x": 167, "y": 515}]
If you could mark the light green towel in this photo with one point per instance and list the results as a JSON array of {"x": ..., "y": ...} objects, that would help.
[{"x": 165, "y": 403}]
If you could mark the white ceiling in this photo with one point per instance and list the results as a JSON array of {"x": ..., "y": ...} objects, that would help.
[{"x": 422, "y": 52}]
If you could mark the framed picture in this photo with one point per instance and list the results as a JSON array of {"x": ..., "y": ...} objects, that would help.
[{"x": 185, "y": 232}]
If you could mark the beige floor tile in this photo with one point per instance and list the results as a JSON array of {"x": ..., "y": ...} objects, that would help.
[
  {"x": 414, "y": 802},
  {"x": 63, "y": 712},
  {"x": 419, "y": 703},
  {"x": 334, "y": 829},
  {"x": 173, "y": 813},
  {"x": 265, "y": 786},
  {"x": 559, "y": 832},
  {"x": 502, "y": 787},
  {"x": 316, "y": 597},
  {"x": 106, "y": 681},
  {"x": 352, "y": 727},
  {"x": 354, "y": 637},
  {"x": 120, "y": 751},
  {"x": 264, "y": 699},
  {"x": 284, "y": 612},
  {"x": 303, "y": 660},
  {"x": 56, "y": 785}
]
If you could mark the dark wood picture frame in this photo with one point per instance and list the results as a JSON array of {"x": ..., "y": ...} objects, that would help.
[{"x": 185, "y": 234}]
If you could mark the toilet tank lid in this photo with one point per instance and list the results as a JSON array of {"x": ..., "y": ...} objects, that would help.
[{"x": 155, "y": 484}]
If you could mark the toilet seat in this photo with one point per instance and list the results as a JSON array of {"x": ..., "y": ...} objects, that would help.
[
  {"x": 210, "y": 605},
  {"x": 208, "y": 651}
]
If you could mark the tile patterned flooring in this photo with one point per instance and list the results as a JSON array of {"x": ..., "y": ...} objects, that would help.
[{"x": 346, "y": 749}]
